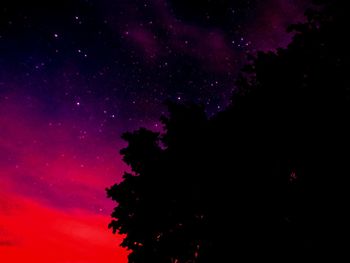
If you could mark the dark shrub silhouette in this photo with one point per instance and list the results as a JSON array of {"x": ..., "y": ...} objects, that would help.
[{"x": 263, "y": 180}]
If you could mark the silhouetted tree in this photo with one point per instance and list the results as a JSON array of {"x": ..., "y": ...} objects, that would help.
[
  {"x": 156, "y": 203},
  {"x": 263, "y": 180}
]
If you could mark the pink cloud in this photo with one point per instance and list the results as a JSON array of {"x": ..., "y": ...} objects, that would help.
[
  {"x": 207, "y": 45},
  {"x": 145, "y": 40},
  {"x": 268, "y": 30}
]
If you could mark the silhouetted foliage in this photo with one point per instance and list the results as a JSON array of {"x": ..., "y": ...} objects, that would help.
[{"x": 263, "y": 180}]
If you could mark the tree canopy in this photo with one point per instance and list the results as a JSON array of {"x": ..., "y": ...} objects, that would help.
[{"x": 265, "y": 179}]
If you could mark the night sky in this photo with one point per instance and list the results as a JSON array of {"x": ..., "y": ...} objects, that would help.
[{"x": 74, "y": 75}]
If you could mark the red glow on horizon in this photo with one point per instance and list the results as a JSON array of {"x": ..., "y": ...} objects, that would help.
[
  {"x": 53, "y": 205},
  {"x": 32, "y": 232}
]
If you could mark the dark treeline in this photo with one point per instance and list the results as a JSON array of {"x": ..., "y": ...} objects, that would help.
[{"x": 263, "y": 180}]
